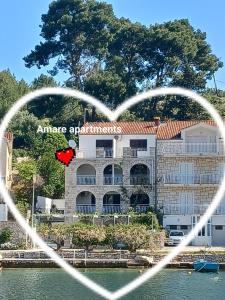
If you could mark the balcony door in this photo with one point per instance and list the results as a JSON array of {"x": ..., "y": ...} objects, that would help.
[
  {"x": 204, "y": 236},
  {"x": 186, "y": 173},
  {"x": 186, "y": 203}
]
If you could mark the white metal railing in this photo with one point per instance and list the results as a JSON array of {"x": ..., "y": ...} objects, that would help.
[
  {"x": 138, "y": 152},
  {"x": 104, "y": 152},
  {"x": 85, "y": 209},
  {"x": 141, "y": 208},
  {"x": 197, "y": 209},
  {"x": 86, "y": 179},
  {"x": 180, "y": 147},
  {"x": 139, "y": 180},
  {"x": 178, "y": 178},
  {"x": 112, "y": 180},
  {"x": 101, "y": 152},
  {"x": 111, "y": 208}
]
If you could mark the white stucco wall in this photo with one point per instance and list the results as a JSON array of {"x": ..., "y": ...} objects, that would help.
[
  {"x": 4, "y": 158},
  {"x": 202, "y": 133},
  {"x": 87, "y": 143},
  {"x": 176, "y": 220},
  {"x": 59, "y": 203},
  {"x": 44, "y": 204},
  {"x": 3, "y": 212}
]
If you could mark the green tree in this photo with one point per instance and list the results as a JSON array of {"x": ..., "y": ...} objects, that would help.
[
  {"x": 24, "y": 127},
  {"x": 76, "y": 32},
  {"x": 47, "y": 106},
  {"x": 10, "y": 90},
  {"x": 51, "y": 170},
  {"x": 22, "y": 187}
]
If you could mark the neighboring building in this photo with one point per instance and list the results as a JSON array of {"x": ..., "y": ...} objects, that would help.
[
  {"x": 6, "y": 170},
  {"x": 190, "y": 164}
]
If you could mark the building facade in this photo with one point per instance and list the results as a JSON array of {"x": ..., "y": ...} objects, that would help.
[
  {"x": 112, "y": 172},
  {"x": 176, "y": 166},
  {"x": 190, "y": 165},
  {"x": 6, "y": 170}
]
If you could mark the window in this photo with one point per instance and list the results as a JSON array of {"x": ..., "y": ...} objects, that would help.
[
  {"x": 138, "y": 144},
  {"x": 183, "y": 227},
  {"x": 219, "y": 227},
  {"x": 104, "y": 143},
  {"x": 173, "y": 227}
]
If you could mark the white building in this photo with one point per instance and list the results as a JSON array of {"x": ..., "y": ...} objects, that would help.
[{"x": 6, "y": 170}]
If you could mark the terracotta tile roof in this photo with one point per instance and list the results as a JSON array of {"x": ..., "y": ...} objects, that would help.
[
  {"x": 167, "y": 130},
  {"x": 172, "y": 129},
  {"x": 125, "y": 127}
]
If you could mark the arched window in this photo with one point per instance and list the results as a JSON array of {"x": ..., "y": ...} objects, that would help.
[
  {"x": 113, "y": 175},
  {"x": 139, "y": 175},
  {"x": 86, "y": 175},
  {"x": 85, "y": 203}
]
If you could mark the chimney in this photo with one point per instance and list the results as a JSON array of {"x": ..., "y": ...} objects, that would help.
[{"x": 156, "y": 120}]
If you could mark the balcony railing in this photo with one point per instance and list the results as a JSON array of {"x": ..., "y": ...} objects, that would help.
[
  {"x": 137, "y": 152},
  {"x": 104, "y": 152},
  {"x": 139, "y": 180},
  {"x": 141, "y": 208},
  {"x": 113, "y": 180},
  {"x": 180, "y": 147},
  {"x": 121, "y": 152},
  {"x": 111, "y": 209},
  {"x": 86, "y": 180},
  {"x": 197, "y": 209},
  {"x": 178, "y": 178},
  {"x": 85, "y": 209}
]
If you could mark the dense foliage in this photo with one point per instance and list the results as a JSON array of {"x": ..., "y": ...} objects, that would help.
[
  {"x": 5, "y": 235},
  {"x": 133, "y": 236}
]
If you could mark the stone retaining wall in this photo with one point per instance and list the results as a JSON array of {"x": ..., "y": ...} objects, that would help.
[
  {"x": 113, "y": 255},
  {"x": 18, "y": 235}
]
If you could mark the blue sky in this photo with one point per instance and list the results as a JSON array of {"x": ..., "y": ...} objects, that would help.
[{"x": 20, "y": 20}]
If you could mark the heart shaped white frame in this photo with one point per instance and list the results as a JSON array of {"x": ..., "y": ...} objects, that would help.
[{"x": 112, "y": 116}]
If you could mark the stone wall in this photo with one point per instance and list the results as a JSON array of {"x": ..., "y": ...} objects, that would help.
[
  {"x": 18, "y": 235},
  {"x": 169, "y": 194},
  {"x": 72, "y": 190}
]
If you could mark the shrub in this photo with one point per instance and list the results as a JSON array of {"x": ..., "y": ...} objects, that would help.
[
  {"x": 149, "y": 219},
  {"x": 5, "y": 235},
  {"x": 134, "y": 236},
  {"x": 87, "y": 236}
]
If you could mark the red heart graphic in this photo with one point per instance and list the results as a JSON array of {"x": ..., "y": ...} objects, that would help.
[{"x": 65, "y": 156}]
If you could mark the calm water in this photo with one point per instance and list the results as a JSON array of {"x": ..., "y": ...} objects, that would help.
[{"x": 40, "y": 284}]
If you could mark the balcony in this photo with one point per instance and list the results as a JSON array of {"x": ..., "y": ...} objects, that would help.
[
  {"x": 112, "y": 180},
  {"x": 86, "y": 180},
  {"x": 85, "y": 209},
  {"x": 139, "y": 180},
  {"x": 111, "y": 209},
  {"x": 197, "y": 209},
  {"x": 141, "y": 208},
  {"x": 180, "y": 147},
  {"x": 137, "y": 152},
  {"x": 104, "y": 152},
  {"x": 186, "y": 179}
]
